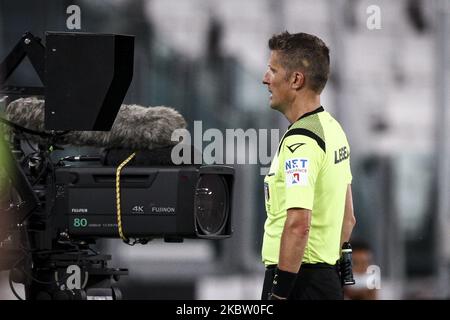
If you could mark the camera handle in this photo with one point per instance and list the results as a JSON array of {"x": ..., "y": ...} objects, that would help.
[{"x": 27, "y": 46}]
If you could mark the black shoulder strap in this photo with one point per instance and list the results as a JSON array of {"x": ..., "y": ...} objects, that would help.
[{"x": 303, "y": 132}]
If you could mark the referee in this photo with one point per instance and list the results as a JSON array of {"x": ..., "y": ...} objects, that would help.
[{"x": 307, "y": 190}]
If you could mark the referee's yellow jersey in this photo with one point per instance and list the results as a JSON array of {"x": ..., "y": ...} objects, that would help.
[{"x": 311, "y": 170}]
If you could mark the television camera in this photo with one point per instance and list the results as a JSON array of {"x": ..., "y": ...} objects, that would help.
[{"x": 53, "y": 210}]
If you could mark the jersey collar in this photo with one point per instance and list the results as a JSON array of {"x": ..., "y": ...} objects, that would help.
[{"x": 319, "y": 109}]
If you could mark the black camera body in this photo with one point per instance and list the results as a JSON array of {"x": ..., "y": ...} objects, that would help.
[{"x": 167, "y": 202}]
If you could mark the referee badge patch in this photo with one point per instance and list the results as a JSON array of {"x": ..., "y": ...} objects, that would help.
[{"x": 296, "y": 171}]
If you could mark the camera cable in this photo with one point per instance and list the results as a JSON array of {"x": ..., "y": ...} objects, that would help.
[{"x": 119, "y": 213}]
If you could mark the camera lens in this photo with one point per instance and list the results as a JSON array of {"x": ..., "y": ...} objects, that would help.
[{"x": 211, "y": 203}]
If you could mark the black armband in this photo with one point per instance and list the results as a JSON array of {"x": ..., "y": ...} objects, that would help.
[{"x": 283, "y": 282}]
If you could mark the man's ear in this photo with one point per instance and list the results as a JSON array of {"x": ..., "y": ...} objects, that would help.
[{"x": 297, "y": 80}]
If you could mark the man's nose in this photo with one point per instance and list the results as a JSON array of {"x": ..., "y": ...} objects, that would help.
[{"x": 265, "y": 79}]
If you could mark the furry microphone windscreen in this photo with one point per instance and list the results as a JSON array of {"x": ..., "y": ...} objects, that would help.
[{"x": 135, "y": 127}]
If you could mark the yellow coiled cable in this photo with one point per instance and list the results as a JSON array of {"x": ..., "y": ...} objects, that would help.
[{"x": 119, "y": 217}]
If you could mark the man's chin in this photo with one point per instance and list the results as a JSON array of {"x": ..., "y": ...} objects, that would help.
[{"x": 274, "y": 106}]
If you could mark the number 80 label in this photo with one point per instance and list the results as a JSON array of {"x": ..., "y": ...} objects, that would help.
[{"x": 79, "y": 222}]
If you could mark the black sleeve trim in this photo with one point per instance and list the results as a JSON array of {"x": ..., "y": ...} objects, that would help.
[{"x": 304, "y": 132}]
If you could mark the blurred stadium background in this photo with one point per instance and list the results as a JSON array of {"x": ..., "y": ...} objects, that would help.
[{"x": 389, "y": 87}]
